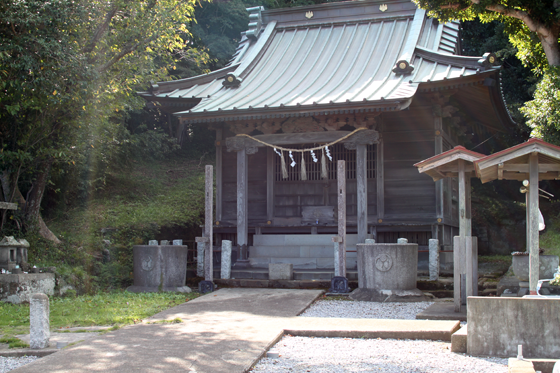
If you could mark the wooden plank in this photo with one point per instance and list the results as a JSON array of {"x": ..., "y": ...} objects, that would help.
[
  {"x": 8, "y": 206},
  {"x": 242, "y": 183},
  {"x": 543, "y": 167},
  {"x": 380, "y": 166},
  {"x": 534, "y": 221},
  {"x": 208, "y": 223},
  {"x": 341, "y": 182},
  {"x": 270, "y": 184},
  {"x": 219, "y": 147},
  {"x": 361, "y": 182}
]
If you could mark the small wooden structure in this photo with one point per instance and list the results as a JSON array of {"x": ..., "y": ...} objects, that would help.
[
  {"x": 459, "y": 163},
  {"x": 533, "y": 160},
  {"x": 380, "y": 84}
]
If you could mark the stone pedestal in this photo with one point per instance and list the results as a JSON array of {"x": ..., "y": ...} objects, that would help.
[
  {"x": 280, "y": 271},
  {"x": 160, "y": 268},
  {"x": 387, "y": 272},
  {"x": 19, "y": 288}
]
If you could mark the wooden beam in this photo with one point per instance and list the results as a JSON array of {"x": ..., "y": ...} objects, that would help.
[
  {"x": 280, "y": 139},
  {"x": 380, "y": 180},
  {"x": 361, "y": 181},
  {"x": 534, "y": 222},
  {"x": 543, "y": 167},
  {"x": 242, "y": 195}
]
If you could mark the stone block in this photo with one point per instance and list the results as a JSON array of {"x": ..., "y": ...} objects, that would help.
[
  {"x": 178, "y": 242},
  {"x": 259, "y": 262},
  {"x": 18, "y": 288},
  {"x": 159, "y": 267},
  {"x": 298, "y": 263},
  {"x": 280, "y": 271},
  {"x": 39, "y": 326},
  {"x": 459, "y": 340},
  {"x": 497, "y": 325},
  {"x": 520, "y": 366},
  {"x": 387, "y": 266}
]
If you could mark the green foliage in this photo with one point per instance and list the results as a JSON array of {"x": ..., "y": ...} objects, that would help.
[
  {"x": 550, "y": 239},
  {"x": 118, "y": 308},
  {"x": 542, "y": 112},
  {"x": 14, "y": 342},
  {"x": 528, "y": 44}
]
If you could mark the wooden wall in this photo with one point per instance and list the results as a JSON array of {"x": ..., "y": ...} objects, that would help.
[{"x": 408, "y": 138}]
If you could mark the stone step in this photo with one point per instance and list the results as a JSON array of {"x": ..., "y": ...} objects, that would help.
[
  {"x": 459, "y": 340},
  {"x": 300, "y": 239},
  {"x": 292, "y": 251},
  {"x": 302, "y": 263}
]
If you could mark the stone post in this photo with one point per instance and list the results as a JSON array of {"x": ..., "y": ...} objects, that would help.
[
  {"x": 153, "y": 243},
  {"x": 433, "y": 259},
  {"x": 39, "y": 327},
  {"x": 200, "y": 259},
  {"x": 178, "y": 242},
  {"x": 402, "y": 240},
  {"x": 226, "y": 259},
  {"x": 370, "y": 241}
]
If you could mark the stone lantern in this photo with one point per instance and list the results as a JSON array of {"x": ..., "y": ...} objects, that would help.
[{"x": 13, "y": 252}]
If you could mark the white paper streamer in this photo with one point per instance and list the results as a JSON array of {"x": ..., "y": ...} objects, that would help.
[
  {"x": 292, "y": 158},
  {"x": 328, "y": 153},
  {"x": 315, "y": 159}
]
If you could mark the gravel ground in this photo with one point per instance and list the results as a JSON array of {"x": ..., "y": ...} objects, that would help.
[
  {"x": 9, "y": 363},
  {"x": 365, "y": 310},
  {"x": 333, "y": 355},
  {"x": 321, "y": 355}
]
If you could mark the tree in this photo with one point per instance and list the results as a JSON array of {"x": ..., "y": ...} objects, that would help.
[
  {"x": 532, "y": 26},
  {"x": 68, "y": 67}
]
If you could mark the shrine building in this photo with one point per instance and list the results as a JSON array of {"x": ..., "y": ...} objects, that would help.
[{"x": 377, "y": 84}]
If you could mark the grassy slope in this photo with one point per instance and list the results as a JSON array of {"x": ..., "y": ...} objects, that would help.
[{"x": 135, "y": 204}]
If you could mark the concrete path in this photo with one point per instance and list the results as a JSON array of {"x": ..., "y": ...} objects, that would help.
[{"x": 225, "y": 331}]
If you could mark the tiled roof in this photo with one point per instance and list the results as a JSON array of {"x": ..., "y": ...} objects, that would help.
[{"x": 349, "y": 56}]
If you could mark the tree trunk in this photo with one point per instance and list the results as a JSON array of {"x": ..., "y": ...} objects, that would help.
[
  {"x": 36, "y": 220},
  {"x": 551, "y": 47},
  {"x": 33, "y": 217}
]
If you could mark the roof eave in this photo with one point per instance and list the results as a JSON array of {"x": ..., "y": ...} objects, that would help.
[{"x": 295, "y": 111}]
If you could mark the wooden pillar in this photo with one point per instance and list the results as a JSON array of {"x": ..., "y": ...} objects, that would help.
[
  {"x": 361, "y": 181},
  {"x": 341, "y": 191},
  {"x": 462, "y": 199},
  {"x": 468, "y": 204},
  {"x": 534, "y": 222},
  {"x": 242, "y": 186},
  {"x": 208, "y": 223},
  {"x": 219, "y": 138},
  {"x": 270, "y": 184},
  {"x": 438, "y": 148},
  {"x": 380, "y": 181}
]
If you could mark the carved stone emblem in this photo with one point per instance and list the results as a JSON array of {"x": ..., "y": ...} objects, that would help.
[
  {"x": 147, "y": 263},
  {"x": 309, "y": 15},
  {"x": 383, "y": 262}
]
